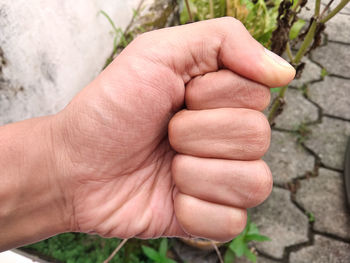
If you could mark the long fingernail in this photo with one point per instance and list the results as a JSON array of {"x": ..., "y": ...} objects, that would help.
[{"x": 277, "y": 59}]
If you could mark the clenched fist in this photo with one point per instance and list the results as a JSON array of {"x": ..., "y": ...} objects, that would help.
[{"x": 167, "y": 140}]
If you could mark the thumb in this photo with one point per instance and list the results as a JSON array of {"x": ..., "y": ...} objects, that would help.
[
  {"x": 241, "y": 53},
  {"x": 206, "y": 46}
]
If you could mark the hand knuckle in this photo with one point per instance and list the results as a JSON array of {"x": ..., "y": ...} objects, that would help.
[
  {"x": 261, "y": 187},
  {"x": 262, "y": 133},
  {"x": 177, "y": 168},
  {"x": 237, "y": 222}
]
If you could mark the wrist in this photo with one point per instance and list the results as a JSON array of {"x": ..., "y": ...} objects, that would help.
[
  {"x": 33, "y": 203},
  {"x": 60, "y": 171}
]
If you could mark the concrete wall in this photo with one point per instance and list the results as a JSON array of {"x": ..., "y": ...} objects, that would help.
[{"x": 49, "y": 50}]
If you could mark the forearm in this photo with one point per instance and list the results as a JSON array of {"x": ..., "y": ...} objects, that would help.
[{"x": 32, "y": 203}]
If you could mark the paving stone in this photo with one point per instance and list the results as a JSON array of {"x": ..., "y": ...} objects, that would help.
[
  {"x": 279, "y": 219},
  {"x": 333, "y": 95},
  {"x": 296, "y": 111},
  {"x": 325, "y": 250},
  {"x": 334, "y": 57},
  {"x": 328, "y": 139},
  {"x": 308, "y": 11},
  {"x": 287, "y": 159},
  {"x": 324, "y": 197},
  {"x": 334, "y": 28},
  {"x": 310, "y": 73}
]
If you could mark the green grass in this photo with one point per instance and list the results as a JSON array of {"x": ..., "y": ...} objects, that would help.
[{"x": 83, "y": 248}]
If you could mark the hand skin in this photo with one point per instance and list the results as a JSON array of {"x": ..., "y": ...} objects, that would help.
[{"x": 125, "y": 159}]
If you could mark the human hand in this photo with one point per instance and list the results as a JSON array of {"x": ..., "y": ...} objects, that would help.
[{"x": 128, "y": 172}]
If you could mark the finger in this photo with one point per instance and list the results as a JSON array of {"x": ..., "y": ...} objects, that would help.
[
  {"x": 225, "y": 89},
  {"x": 238, "y": 134},
  {"x": 202, "y": 47},
  {"x": 233, "y": 183},
  {"x": 208, "y": 220}
]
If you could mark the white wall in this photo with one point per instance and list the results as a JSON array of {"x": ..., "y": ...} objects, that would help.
[{"x": 52, "y": 50}]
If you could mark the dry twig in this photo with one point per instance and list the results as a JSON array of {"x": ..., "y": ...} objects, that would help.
[
  {"x": 121, "y": 244},
  {"x": 217, "y": 251}
]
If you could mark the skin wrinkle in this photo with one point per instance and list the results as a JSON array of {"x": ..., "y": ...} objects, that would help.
[
  {"x": 230, "y": 221},
  {"x": 117, "y": 142},
  {"x": 254, "y": 139},
  {"x": 228, "y": 177},
  {"x": 231, "y": 91},
  {"x": 137, "y": 189},
  {"x": 155, "y": 185}
]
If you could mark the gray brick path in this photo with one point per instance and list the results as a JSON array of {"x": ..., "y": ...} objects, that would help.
[
  {"x": 324, "y": 250},
  {"x": 309, "y": 221}
]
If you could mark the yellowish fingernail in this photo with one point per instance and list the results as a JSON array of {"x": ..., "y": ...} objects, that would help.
[{"x": 277, "y": 59}]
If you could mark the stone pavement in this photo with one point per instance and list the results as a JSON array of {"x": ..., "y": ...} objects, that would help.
[{"x": 306, "y": 216}]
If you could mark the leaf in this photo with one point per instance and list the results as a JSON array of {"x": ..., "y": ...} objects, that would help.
[
  {"x": 311, "y": 217},
  {"x": 252, "y": 229},
  {"x": 151, "y": 253},
  {"x": 249, "y": 255},
  {"x": 296, "y": 27},
  {"x": 163, "y": 247},
  {"x": 256, "y": 237},
  {"x": 324, "y": 72},
  {"x": 168, "y": 260},
  {"x": 109, "y": 20},
  {"x": 275, "y": 90},
  {"x": 238, "y": 245},
  {"x": 229, "y": 256}
]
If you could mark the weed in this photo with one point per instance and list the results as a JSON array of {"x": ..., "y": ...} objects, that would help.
[
  {"x": 160, "y": 255},
  {"x": 309, "y": 38},
  {"x": 275, "y": 90},
  {"x": 120, "y": 40},
  {"x": 311, "y": 217},
  {"x": 302, "y": 132},
  {"x": 259, "y": 17},
  {"x": 239, "y": 246},
  {"x": 83, "y": 248},
  {"x": 324, "y": 73}
]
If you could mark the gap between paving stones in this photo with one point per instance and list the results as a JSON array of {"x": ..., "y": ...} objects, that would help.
[
  {"x": 331, "y": 236},
  {"x": 336, "y": 117},
  {"x": 308, "y": 150},
  {"x": 338, "y": 42},
  {"x": 338, "y": 76},
  {"x": 317, "y": 165}
]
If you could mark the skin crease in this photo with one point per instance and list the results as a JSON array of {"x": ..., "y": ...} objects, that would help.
[{"x": 112, "y": 143}]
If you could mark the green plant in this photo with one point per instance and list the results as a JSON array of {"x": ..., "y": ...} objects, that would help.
[
  {"x": 160, "y": 255},
  {"x": 311, "y": 217},
  {"x": 324, "y": 73},
  {"x": 120, "y": 40},
  {"x": 259, "y": 17},
  {"x": 273, "y": 23},
  {"x": 83, "y": 248},
  {"x": 289, "y": 31},
  {"x": 77, "y": 248},
  {"x": 239, "y": 246},
  {"x": 302, "y": 132},
  {"x": 275, "y": 90}
]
